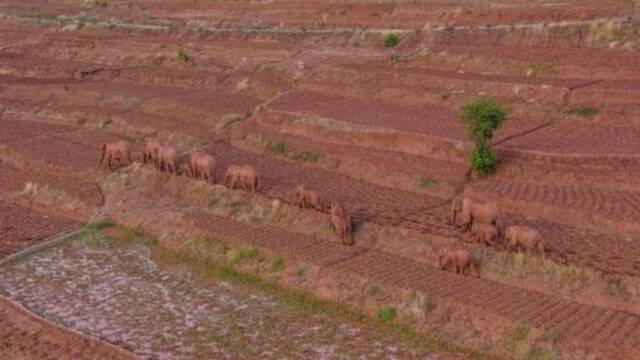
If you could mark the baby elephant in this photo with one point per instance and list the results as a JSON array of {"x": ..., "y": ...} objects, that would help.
[
  {"x": 307, "y": 198},
  {"x": 525, "y": 238},
  {"x": 244, "y": 175},
  {"x": 118, "y": 150},
  {"x": 461, "y": 259},
  {"x": 203, "y": 166},
  {"x": 342, "y": 223},
  {"x": 484, "y": 233}
]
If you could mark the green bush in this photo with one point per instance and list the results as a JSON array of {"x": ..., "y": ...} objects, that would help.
[
  {"x": 391, "y": 40},
  {"x": 483, "y": 160},
  {"x": 481, "y": 118},
  {"x": 387, "y": 314}
]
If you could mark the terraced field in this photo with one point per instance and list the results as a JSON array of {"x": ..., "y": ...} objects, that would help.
[{"x": 306, "y": 93}]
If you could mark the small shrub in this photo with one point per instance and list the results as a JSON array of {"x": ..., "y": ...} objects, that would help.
[
  {"x": 584, "y": 111},
  {"x": 278, "y": 264},
  {"x": 387, "y": 314},
  {"x": 183, "y": 55},
  {"x": 427, "y": 183},
  {"x": 391, "y": 40},
  {"x": 278, "y": 147},
  {"x": 483, "y": 161}
]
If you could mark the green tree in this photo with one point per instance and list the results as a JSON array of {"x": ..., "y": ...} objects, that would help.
[{"x": 481, "y": 118}]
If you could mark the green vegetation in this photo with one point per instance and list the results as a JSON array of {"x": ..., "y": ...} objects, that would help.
[
  {"x": 306, "y": 156},
  {"x": 94, "y": 226},
  {"x": 372, "y": 289},
  {"x": 241, "y": 255},
  {"x": 282, "y": 148},
  {"x": 278, "y": 147},
  {"x": 391, "y": 40},
  {"x": 425, "y": 183},
  {"x": 481, "y": 118},
  {"x": 183, "y": 56},
  {"x": 233, "y": 207},
  {"x": 278, "y": 264},
  {"x": 584, "y": 111},
  {"x": 387, "y": 314}
]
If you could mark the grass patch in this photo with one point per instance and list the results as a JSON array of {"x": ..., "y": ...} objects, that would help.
[
  {"x": 544, "y": 69},
  {"x": 387, "y": 314},
  {"x": 277, "y": 264},
  {"x": 307, "y": 156},
  {"x": 94, "y": 226},
  {"x": 426, "y": 184},
  {"x": 233, "y": 207},
  {"x": 241, "y": 255},
  {"x": 183, "y": 56},
  {"x": 282, "y": 148},
  {"x": 278, "y": 148},
  {"x": 584, "y": 111}
]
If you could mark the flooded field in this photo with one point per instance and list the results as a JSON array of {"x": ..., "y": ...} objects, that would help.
[{"x": 116, "y": 292}]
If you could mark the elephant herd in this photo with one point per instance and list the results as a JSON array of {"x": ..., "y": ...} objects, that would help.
[
  {"x": 203, "y": 166},
  {"x": 481, "y": 219}
]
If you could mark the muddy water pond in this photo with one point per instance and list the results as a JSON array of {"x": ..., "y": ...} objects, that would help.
[{"x": 117, "y": 292}]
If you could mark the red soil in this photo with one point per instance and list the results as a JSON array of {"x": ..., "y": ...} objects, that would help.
[
  {"x": 22, "y": 227},
  {"x": 25, "y": 336}
]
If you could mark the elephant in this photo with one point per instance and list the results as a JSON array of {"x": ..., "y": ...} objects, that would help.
[
  {"x": 461, "y": 260},
  {"x": 167, "y": 159},
  {"x": 307, "y": 198},
  {"x": 151, "y": 148},
  {"x": 484, "y": 233},
  {"x": 245, "y": 175},
  {"x": 203, "y": 166},
  {"x": 467, "y": 210},
  {"x": 525, "y": 238},
  {"x": 118, "y": 150},
  {"x": 342, "y": 223}
]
